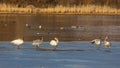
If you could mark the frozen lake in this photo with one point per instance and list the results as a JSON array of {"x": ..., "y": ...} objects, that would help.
[{"x": 29, "y": 57}]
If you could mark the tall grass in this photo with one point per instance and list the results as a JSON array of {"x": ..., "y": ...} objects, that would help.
[{"x": 88, "y": 9}]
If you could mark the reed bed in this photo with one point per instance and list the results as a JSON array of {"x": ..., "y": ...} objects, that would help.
[{"x": 88, "y": 9}]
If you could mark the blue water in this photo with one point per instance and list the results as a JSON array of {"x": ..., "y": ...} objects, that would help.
[{"x": 28, "y": 57}]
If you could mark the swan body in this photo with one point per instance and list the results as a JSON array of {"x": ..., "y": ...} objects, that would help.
[
  {"x": 17, "y": 42},
  {"x": 107, "y": 44},
  {"x": 37, "y": 42},
  {"x": 54, "y": 42},
  {"x": 96, "y": 42}
]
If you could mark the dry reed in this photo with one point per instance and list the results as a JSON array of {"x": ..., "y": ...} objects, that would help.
[{"x": 89, "y": 9}]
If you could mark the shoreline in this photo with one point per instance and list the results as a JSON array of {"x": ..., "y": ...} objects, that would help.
[{"x": 104, "y": 14}]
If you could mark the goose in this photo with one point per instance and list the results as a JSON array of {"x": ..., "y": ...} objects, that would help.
[
  {"x": 107, "y": 44},
  {"x": 37, "y": 42},
  {"x": 17, "y": 42},
  {"x": 96, "y": 42},
  {"x": 54, "y": 42}
]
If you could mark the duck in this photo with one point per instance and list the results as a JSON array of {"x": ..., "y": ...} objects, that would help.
[
  {"x": 18, "y": 42},
  {"x": 107, "y": 44},
  {"x": 54, "y": 42},
  {"x": 97, "y": 42},
  {"x": 37, "y": 42}
]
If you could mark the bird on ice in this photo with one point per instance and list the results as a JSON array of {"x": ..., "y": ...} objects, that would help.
[
  {"x": 97, "y": 42},
  {"x": 37, "y": 42},
  {"x": 17, "y": 42},
  {"x": 107, "y": 44},
  {"x": 54, "y": 42}
]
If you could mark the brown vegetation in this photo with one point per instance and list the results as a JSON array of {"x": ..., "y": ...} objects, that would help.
[
  {"x": 88, "y": 9},
  {"x": 60, "y": 6}
]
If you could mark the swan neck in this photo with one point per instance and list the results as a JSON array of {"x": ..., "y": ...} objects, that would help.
[
  {"x": 106, "y": 38},
  {"x": 56, "y": 40}
]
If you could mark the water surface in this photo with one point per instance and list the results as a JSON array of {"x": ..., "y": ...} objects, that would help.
[{"x": 65, "y": 27}]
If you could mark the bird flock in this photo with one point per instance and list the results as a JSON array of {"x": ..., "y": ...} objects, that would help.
[
  {"x": 18, "y": 42},
  {"x": 54, "y": 42},
  {"x": 98, "y": 42}
]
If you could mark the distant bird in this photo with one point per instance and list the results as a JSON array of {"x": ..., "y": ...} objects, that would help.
[
  {"x": 107, "y": 44},
  {"x": 54, "y": 42},
  {"x": 37, "y": 42},
  {"x": 96, "y": 42},
  {"x": 17, "y": 42}
]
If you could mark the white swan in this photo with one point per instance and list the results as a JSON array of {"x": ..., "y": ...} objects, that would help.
[
  {"x": 54, "y": 42},
  {"x": 96, "y": 42},
  {"x": 107, "y": 44},
  {"x": 37, "y": 42},
  {"x": 17, "y": 42}
]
